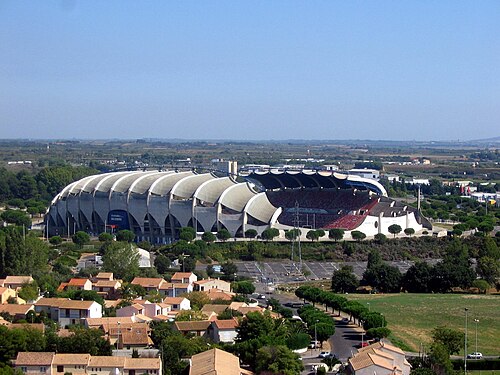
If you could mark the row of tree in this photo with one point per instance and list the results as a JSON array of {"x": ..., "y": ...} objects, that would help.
[{"x": 371, "y": 320}]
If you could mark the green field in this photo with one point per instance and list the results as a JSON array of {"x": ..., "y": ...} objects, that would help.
[{"x": 411, "y": 317}]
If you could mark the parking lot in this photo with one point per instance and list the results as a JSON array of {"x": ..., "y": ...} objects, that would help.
[{"x": 287, "y": 271}]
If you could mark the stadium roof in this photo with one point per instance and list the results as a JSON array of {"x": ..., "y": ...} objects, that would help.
[{"x": 279, "y": 179}]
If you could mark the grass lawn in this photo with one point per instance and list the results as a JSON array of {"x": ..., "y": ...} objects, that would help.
[{"x": 411, "y": 317}]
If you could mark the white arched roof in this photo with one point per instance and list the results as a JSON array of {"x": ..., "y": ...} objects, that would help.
[
  {"x": 236, "y": 197},
  {"x": 142, "y": 184},
  {"x": 123, "y": 183},
  {"x": 186, "y": 187},
  {"x": 163, "y": 185},
  {"x": 106, "y": 183},
  {"x": 91, "y": 184},
  {"x": 260, "y": 208},
  {"x": 211, "y": 190}
]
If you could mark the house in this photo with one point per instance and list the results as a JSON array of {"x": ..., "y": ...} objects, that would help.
[
  {"x": 16, "y": 282},
  {"x": 184, "y": 278},
  {"x": 217, "y": 309},
  {"x": 70, "y": 363},
  {"x": 204, "y": 285},
  {"x": 106, "y": 287},
  {"x": 89, "y": 260},
  {"x": 108, "y": 276},
  {"x": 217, "y": 294},
  {"x": 76, "y": 284},
  {"x": 216, "y": 361},
  {"x": 155, "y": 284},
  {"x": 223, "y": 331},
  {"x": 145, "y": 308},
  {"x": 176, "y": 289},
  {"x": 106, "y": 323},
  {"x": 47, "y": 363},
  {"x": 178, "y": 303},
  {"x": 6, "y": 293},
  {"x": 380, "y": 358},
  {"x": 67, "y": 312},
  {"x": 135, "y": 337},
  {"x": 34, "y": 363},
  {"x": 17, "y": 311},
  {"x": 197, "y": 328}
]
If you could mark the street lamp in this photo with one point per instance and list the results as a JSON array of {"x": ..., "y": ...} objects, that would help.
[
  {"x": 465, "y": 343},
  {"x": 315, "y": 335},
  {"x": 369, "y": 309},
  {"x": 362, "y": 334},
  {"x": 476, "y": 321}
]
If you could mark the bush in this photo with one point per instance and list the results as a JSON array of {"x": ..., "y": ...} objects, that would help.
[{"x": 298, "y": 341}]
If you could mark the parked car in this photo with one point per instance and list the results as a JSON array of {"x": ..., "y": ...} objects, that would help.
[
  {"x": 324, "y": 354},
  {"x": 475, "y": 355},
  {"x": 314, "y": 344}
]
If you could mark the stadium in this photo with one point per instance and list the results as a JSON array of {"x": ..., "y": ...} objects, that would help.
[{"x": 155, "y": 205}]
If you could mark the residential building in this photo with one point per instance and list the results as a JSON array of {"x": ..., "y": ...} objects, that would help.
[
  {"x": 17, "y": 311},
  {"x": 34, "y": 363},
  {"x": 15, "y": 282},
  {"x": 216, "y": 361},
  {"x": 178, "y": 303},
  {"x": 6, "y": 293},
  {"x": 380, "y": 358},
  {"x": 223, "y": 331},
  {"x": 68, "y": 312},
  {"x": 47, "y": 363},
  {"x": 197, "y": 328},
  {"x": 184, "y": 278},
  {"x": 205, "y": 285}
]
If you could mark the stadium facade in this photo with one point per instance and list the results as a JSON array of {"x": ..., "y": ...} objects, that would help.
[{"x": 155, "y": 205}]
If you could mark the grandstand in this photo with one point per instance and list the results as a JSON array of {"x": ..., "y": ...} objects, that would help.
[{"x": 155, "y": 205}]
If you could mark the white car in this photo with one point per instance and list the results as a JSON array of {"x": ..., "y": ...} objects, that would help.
[
  {"x": 475, "y": 355},
  {"x": 324, "y": 354}
]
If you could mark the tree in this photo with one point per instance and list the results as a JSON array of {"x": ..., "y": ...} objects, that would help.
[
  {"x": 488, "y": 268},
  {"x": 292, "y": 234},
  {"x": 223, "y": 235},
  {"x": 439, "y": 357},
  {"x": 336, "y": 234},
  {"x": 482, "y": 285},
  {"x": 250, "y": 233},
  {"x": 380, "y": 238},
  {"x": 229, "y": 269},
  {"x": 197, "y": 299},
  {"x": 187, "y": 234},
  {"x": 312, "y": 235},
  {"x": 278, "y": 360},
  {"x": 80, "y": 238},
  {"x": 84, "y": 340},
  {"x": 357, "y": 235},
  {"x": 29, "y": 291},
  {"x": 187, "y": 264},
  {"x": 162, "y": 263},
  {"x": 324, "y": 330},
  {"x": 378, "y": 333},
  {"x": 394, "y": 229},
  {"x": 208, "y": 237},
  {"x": 243, "y": 287},
  {"x": 374, "y": 259},
  {"x": 418, "y": 278},
  {"x": 122, "y": 259},
  {"x": 125, "y": 236},
  {"x": 105, "y": 237},
  {"x": 451, "y": 339},
  {"x": 409, "y": 231},
  {"x": 55, "y": 240},
  {"x": 384, "y": 278},
  {"x": 344, "y": 280},
  {"x": 16, "y": 217},
  {"x": 270, "y": 233}
]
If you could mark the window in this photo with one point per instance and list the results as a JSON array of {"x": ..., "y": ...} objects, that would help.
[
  {"x": 60, "y": 368},
  {"x": 43, "y": 369},
  {"x": 24, "y": 369}
]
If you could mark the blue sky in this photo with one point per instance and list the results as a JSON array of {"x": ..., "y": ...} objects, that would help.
[{"x": 250, "y": 70}]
